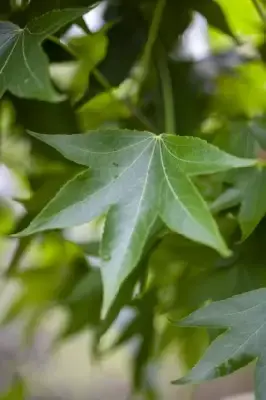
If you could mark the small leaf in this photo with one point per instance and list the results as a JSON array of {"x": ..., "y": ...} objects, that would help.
[
  {"x": 136, "y": 177},
  {"x": 244, "y": 340},
  {"x": 23, "y": 64},
  {"x": 84, "y": 304},
  {"x": 89, "y": 50}
]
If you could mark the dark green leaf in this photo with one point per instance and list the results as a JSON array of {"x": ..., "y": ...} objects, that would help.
[
  {"x": 23, "y": 64},
  {"x": 244, "y": 341}
]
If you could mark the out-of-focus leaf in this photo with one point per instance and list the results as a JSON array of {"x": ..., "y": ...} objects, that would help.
[
  {"x": 89, "y": 50},
  {"x": 253, "y": 207},
  {"x": 190, "y": 344},
  {"x": 190, "y": 107},
  {"x": 215, "y": 16},
  {"x": 127, "y": 36},
  {"x": 23, "y": 64},
  {"x": 142, "y": 328},
  {"x": 242, "y": 93},
  {"x": 228, "y": 199},
  {"x": 194, "y": 275},
  {"x": 242, "y": 18},
  {"x": 41, "y": 287},
  {"x": 84, "y": 304},
  {"x": 16, "y": 392},
  {"x": 216, "y": 279},
  {"x": 7, "y": 217},
  {"x": 103, "y": 108},
  {"x": 245, "y": 139},
  {"x": 119, "y": 155}
]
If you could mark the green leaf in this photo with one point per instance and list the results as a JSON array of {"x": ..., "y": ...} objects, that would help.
[
  {"x": 245, "y": 139},
  {"x": 228, "y": 199},
  {"x": 23, "y": 64},
  {"x": 244, "y": 341},
  {"x": 253, "y": 206},
  {"x": 136, "y": 177},
  {"x": 16, "y": 392},
  {"x": 83, "y": 304},
  {"x": 242, "y": 94},
  {"x": 242, "y": 16},
  {"x": 215, "y": 16},
  {"x": 102, "y": 108},
  {"x": 243, "y": 19},
  {"x": 89, "y": 50}
]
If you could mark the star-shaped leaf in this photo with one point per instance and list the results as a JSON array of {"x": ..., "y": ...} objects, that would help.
[
  {"x": 244, "y": 341},
  {"x": 23, "y": 64},
  {"x": 135, "y": 177}
]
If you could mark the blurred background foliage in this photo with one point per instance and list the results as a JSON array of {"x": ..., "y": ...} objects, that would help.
[{"x": 110, "y": 78}]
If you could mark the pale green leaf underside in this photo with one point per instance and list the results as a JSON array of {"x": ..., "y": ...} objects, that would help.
[
  {"x": 24, "y": 67},
  {"x": 136, "y": 177},
  {"x": 245, "y": 316}
]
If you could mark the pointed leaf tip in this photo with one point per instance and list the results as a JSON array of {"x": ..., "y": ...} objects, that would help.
[{"x": 138, "y": 178}]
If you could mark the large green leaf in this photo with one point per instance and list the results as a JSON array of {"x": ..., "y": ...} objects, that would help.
[
  {"x": 23, "y": 64},
  {"x": 137, "y": 176},
  {"x": 243, "y": 342}
]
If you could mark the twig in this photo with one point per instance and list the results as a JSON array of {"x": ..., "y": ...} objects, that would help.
[{"x": 167, "y": 90}]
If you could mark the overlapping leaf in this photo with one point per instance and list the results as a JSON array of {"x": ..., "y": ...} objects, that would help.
[
  {"x": 23, "y": 64},
  {"x": 244, "y": 341}
]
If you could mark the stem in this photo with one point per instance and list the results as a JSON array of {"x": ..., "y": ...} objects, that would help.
[
  {"x": 167, "y": 91},
  {"x": 153, "y": 33},
  {"x": 259, "y": 9}
]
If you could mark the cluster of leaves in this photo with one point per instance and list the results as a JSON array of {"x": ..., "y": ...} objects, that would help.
[{"x": 181, "y": 212}]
